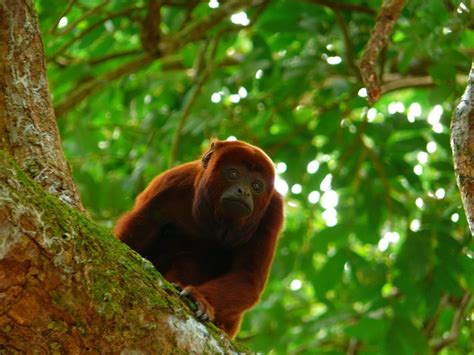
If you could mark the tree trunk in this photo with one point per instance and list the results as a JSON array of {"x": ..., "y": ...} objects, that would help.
[
  {"x": 68, "y": 286},
  {"x": 28, "y": 128},
  {"x": 462, "y": 144}
]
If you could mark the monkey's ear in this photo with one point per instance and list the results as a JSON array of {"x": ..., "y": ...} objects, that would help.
[{"x": 207, "y": 156}]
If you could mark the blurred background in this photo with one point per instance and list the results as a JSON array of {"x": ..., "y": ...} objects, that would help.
[{"x": 376, "y": 255}]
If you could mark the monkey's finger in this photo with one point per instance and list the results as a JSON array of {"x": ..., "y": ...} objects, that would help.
[
  {"x": 185, "y": 293},
  {"x": 202, "y": 315},
  {"x": 177, "y": 286}
]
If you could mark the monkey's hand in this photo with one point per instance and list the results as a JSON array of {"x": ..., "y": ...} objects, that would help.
[{"x": 204, "y": 310}]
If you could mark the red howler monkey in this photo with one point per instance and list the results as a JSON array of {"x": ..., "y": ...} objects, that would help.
[{"x": 211, "y": 226}]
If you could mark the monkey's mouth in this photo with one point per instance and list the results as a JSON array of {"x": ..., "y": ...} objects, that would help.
[{"x": 235, "y": 207}]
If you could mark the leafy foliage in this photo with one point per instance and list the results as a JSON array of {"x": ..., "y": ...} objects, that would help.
[{"x": 376, "y": 255}]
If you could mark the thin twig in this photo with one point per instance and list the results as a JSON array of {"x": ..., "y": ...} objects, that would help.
[
  {"x": 201, "y": 75},
  {"x": 347, "y": 42},
  {"x": 403, "y": 83},
  {"x": 380, "y": 172},
  {"x": 123, "y": 13},
  {"x": 112, "y": 56},
  {"x": 438, "y": 344},
  {"x": 431, "y": 324},
  {"x": 53, "y": 30},
  {"x": 196, "y": 30},
  {"x": 378, "y": 40},
  {"x": 84, "y": 16},
  {"x": 189, "y": 12}
]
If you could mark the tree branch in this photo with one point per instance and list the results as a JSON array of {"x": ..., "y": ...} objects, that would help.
[
  {"x": 53, "y": 30},
  {"x": 84, "y": 16},
  {"x": 378, "y": 40},
  {"x": 462, "y": 145},
  {"x": 122, "y": 13},
  {"x": 78, "y": 94},
  {"x": 69, "y": 286},
  {"x": 197, "y": 29},
  {"x": 349, "y": 50},
  {"x": 113, "y": 56},
  {"x": 167, "y": 46},
  {"x": 403, "y": 83},
  {"x": 337, "y": 5}
]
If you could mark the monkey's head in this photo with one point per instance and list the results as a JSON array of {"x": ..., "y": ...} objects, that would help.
[{"x": 234, "y": 189}]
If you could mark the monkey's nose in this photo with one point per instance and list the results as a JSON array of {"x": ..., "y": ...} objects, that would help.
[{"x": 241, "y": 191}]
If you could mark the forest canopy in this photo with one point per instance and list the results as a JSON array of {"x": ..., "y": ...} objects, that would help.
[{"x": 376, "y": 255}]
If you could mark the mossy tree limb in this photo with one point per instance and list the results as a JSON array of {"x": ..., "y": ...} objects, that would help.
[{"x": 68, "y": 286}]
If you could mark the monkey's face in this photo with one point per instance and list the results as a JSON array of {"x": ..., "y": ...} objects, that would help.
[{"x": 243, "y": 188}]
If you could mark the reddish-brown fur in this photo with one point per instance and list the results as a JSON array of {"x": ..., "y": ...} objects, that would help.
[{"x": 177, "y": 224}]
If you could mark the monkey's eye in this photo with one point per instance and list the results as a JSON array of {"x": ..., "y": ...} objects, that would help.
[
  {"x": 233, "y": 174},
  {"x": 257, "y": 186}
]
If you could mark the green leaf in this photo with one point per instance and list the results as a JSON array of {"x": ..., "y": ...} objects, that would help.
[
  {"x": 330, "y": 274},
  {"x": 403, "y": 337}
]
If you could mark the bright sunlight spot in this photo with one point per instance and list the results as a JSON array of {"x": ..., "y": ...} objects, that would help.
[
  {"x": 281, "y": 185},
  {"x": 414, "y": 111},
  {"x": 371, "y": 114},
  {"x": 395, "y": 107},
  {"x": 431, "y": 147},
  {"x": 462, "y": 8},
  {"x": 435, "y": 115},
  {"x": 231, "y": 138},
  {"x": 326, "y": 183},
  {"x": 440, "y": 193},
  {"x": 422, "y": 157},
  {"x": 281, "y": 167},
  {"x": 259, "y": 74},
  {"x": 362, "y": 92},
  {"x": 447, "y": 30},
  {"x": 419, "y": 202},
  {"x": 418, "y": 169},
  {"x": 242, "y": 92},
  {"x": 216, "y": 97},
  {"x": 455, "y": 217},
  {"x": 313, "y": 197},
  {"x": 330, "y": 217},
  {"x": 240, "y": 18},
  {"x": 296, "y": 189},
  {"x": 63, "y": 22},
  {"x": 329, "y": 199},
  {"x": 103, "y": 144},
  {"x": 234, "y": 98},
  {"x": 213, "y": 4},
  {"x": 312, "y": 167},
  {"x": 334, "y": 60},
  {"x": 383, "y": 244},
  {"x": 415, "y": 225},
  {"x": 295, "y": 285},
  {"x": 438, "y": 128},
  {"x": 388, "y": 238}
]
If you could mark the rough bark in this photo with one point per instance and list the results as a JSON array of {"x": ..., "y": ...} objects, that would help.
[
  {"x": 68, "y": 286},
  {"x": 28, "y": 128},
  {"x": 462, "y": 145},
  {"x": 378, "y": 40}
]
